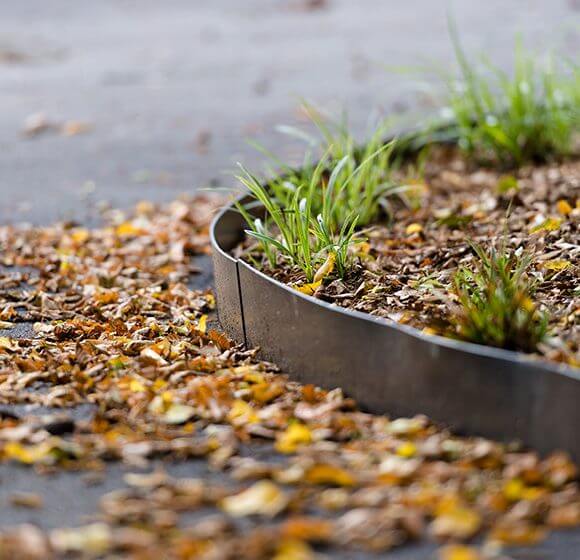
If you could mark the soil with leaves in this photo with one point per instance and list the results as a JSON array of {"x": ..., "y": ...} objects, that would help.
[
  {"x": 116, "y": 326},
  {"x": 405, "y": 268}
]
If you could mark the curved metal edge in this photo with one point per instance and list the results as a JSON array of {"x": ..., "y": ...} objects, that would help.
[
  {"x": 394, "y": 368},
  {"x": 226, "y": 227}
]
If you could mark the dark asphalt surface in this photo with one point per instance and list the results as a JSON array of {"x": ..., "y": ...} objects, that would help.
[{"x": 172, "y": 90}]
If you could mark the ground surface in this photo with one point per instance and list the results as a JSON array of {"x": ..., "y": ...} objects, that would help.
[{"x": 172, "y": 89}]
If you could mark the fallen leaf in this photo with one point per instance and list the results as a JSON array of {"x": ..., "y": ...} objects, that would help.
[
  {"x": 328, "y": 475},
  {"x": 457, "y": 522},
  {"x": 309, "y": 529},
  {"x": 458, "y": 552},
  {"x": 407, "y": 449},
  {"x": 295, "y": 436},
  {"x": 73, "y": 128},
  {"x": 242, "y": 413},
  {"x": 202, "y": 324},
  {"x": 326, "y": 268},
  {"x": 263, "y": 498},
  {"x": 308, "y": 289},
  {"x": 411, "y": 229},
  {"x": 292, "y": 549},
  {"x": 128, "y": 229},
  {"x": 93, "y": 540},
  {"x": 563, "y": 207},
  {"x": 549, "y": 224},
  {"x": 556, "y": 265},
  {"x": 178, "y": 413},
  {"x": 26, "y": 500},
  {"x": 518, "y": 533}
]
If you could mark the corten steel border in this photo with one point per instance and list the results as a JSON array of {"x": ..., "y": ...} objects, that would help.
[{"x": 391, "y": 368}]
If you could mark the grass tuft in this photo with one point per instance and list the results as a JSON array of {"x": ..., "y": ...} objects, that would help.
[
  {"x": 313, "y": 212},
  {"x": 495, "y": 301},
  {"x": 530, "y": 115}
]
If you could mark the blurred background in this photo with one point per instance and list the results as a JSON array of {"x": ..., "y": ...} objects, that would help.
[{"x": 123, "y": 100}]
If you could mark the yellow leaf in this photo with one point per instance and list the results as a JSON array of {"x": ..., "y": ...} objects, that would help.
[
  {"x": 549, "y": 224},
  {"x": 291, "y": 549},
  {"x": 136, "y": 386},
  {"x": 252, "y": 376},
  {"x": 458, "y": 522},
  {"x": 263, "y": 498},
  {"x": 563, "y": 207},
  {"x": 80, "y": 235},
  {"x": 363, "y": 248},
  {"x": 202, "y": 324},
  {"x": 556, "y": 265},
  {"x": 7, "y": 343},
  {"x": 513, "y": 489},
  {"x": 266, "y": 392},
  {"x": 118, "y": 362},
  {"x": 458, "y": 552},
  {"x": 407, "y": 449},
  {"x": 413, "y": 228},
  {"x": 528, "y": 304},
  {"x": 65, "y": 265},
  {"x": 518, "y": 533},
  {"x": 328, "y": 475},
  {"x": 29, "y": 454},
  {"x": 158, "y": 384},
  {"x": 296, "y": 435},
  {"x": 128, "y": 229},
  {"x": 308, "y": 289},
  {"x": 326, "y": 268},
  {"x": 210, "y": 298},
  {"x": 242, "y": 413}
]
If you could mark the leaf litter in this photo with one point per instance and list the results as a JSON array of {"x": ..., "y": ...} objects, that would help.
[{"x": 116, "y": 327}]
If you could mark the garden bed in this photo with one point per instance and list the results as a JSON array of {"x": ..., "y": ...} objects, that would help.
[
  {"x": 403, "y": 268},
  {"x": 391, "y": 367}
]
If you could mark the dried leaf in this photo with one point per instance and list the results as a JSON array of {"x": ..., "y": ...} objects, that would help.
[
  {"x": 556, "y": 265},
  {"x": 330, "y": 475},
  {"x": 178, "y": 414},
  {"x": 292, "y": 549},
  {"x": 457, "y": 522},
  {"x": 414, "y": 228},
  {"x": 308, "y": 289},
  {"x": 563, "y": 207},
  {"x": 295, "y": 436},
  {"x": 263, "y": 498},
  {"x": 549, "y": 224},
  {"x": 459, "y": 552},
  {"x": 325, "y": 269}
]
